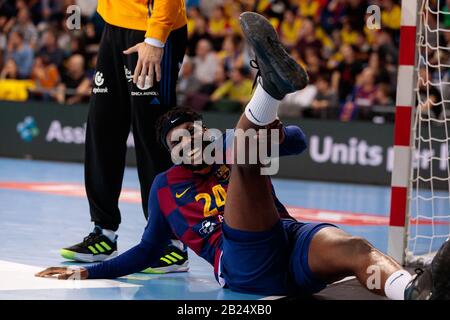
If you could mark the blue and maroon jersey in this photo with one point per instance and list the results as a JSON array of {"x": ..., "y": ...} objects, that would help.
[
  {"x": 193, "y": 205},
  {"x": 189, "y": 205}
]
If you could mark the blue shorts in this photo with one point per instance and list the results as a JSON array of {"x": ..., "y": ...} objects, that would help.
[{"x": 273, "y": 262}]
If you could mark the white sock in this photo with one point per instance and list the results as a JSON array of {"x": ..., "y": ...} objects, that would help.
[
  {"x": 178, "y": 244},
  {"x": 110, "y": 234},
  {"x": 262, "y": 108},
  {"x": 396, "y": 284}
]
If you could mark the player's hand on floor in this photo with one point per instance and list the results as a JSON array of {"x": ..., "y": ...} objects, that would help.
[
  {"x": 64, "y": 273},
  {"x": 148, "y": 64}
]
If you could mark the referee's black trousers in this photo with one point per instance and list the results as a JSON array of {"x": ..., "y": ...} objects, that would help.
[{"x": 118, "y": 105}]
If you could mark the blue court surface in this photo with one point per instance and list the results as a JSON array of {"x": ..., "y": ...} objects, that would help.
[{"x": 43, "y": 208}]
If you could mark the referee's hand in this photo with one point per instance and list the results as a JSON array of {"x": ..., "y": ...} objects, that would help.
[{"x": 148, "y": 64}]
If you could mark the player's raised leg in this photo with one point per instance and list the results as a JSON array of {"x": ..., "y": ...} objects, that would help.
[
  {"x": 250, "y": 205},
  {"x": 332, "y": 253}
]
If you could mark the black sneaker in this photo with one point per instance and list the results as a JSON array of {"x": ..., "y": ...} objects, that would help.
[
  {"x": 94, "y": 248},
  {"x": 432, "y": 283},
  {"x": 174, "y": 259},
  {"x": 279, "y": 74}
]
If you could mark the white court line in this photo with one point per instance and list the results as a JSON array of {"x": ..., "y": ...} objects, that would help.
[
  {"x": 345, "y": 279},
  {"x": 17, "y": 276},
  {"x": 272, "y": 297}
]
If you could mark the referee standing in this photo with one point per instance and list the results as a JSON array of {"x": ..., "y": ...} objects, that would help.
[{"x": 141, "y": 51}]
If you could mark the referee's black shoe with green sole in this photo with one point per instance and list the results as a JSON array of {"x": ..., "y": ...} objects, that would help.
[{"x": 94, "y": 248}]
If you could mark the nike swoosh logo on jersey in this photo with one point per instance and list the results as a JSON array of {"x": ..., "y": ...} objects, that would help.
[{"x": 178, "y": 196}]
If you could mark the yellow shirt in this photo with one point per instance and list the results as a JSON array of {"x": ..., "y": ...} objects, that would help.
[
  {"x": 370, "y": 34},
  {"x": 262, "y": 5},
  {"x": 274, "y": 22},
  {"x": 235, "y": 26},
  {"x": 233, "y": 91},
  {"x": 349, "y": 37},
  {"x": 190, "y": 26},
  {"x": 230, "y": 7},
  {"x": 290, "y": 33},
  {"x": 323, "y": 37},
  {"x": 391, "y": 19},
  {"x": 217, "y": 26},
  {"x": 15, "y": 90},
  {"x": 157, "y": 17},
  {"x": 308, "y": 8}
]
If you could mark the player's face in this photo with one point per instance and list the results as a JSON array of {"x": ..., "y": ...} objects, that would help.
[
  {"x": 172, "y": 142},
  {"x": 186, "y": 142}
]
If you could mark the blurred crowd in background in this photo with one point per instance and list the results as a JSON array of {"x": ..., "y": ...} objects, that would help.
[{"x": 351, "y": 62}]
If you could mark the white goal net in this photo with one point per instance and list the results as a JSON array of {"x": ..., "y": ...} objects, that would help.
[{"x": 429, "y": 196}]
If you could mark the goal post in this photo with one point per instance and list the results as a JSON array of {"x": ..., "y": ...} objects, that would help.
[
  {"x": 420, "y": 183},
  {"x": 405, "y": 107}
]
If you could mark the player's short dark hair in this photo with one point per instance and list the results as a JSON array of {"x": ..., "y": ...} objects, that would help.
[{"x": 173, "y": 118}]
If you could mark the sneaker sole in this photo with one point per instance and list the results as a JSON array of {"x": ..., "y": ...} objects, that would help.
[
  {"x": 85, "y": 257},
  {"x": 169, "y": 269},
  {"x": 443, "y": 255},
  {"x": 441, "y": 272},
  {"x": 257, "y": 30}
]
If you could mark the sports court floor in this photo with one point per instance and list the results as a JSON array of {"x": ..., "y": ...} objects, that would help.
[{"x": 43, "y": 209}]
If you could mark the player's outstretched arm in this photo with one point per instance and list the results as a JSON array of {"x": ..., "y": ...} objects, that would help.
[
  {"x": 134, "y": 260},
  {"x": 138, "y": 258}
]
